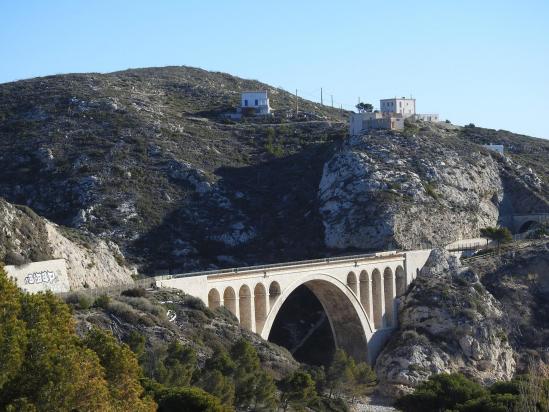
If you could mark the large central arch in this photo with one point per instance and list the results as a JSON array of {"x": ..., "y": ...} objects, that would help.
[{"x": 350, "y": 326}]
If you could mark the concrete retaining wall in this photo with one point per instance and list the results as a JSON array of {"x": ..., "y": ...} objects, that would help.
[{"x": 41, "y": 276}]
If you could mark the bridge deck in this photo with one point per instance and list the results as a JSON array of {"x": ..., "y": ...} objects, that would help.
[{"x": 294, "y": 264}]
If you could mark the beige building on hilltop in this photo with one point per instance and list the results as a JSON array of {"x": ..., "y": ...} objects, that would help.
[{"x": 391, "y": 116}]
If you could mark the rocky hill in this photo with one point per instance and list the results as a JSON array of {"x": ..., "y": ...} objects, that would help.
[
  {"x": 486, "y": 320},
  {"x": 91, "y": 262},
  {"x": 519, "y": 279},
  {"x": 142, "y": 158},
  {"x": 163, "y": 316},
  {"x": 426, "y": 186}
]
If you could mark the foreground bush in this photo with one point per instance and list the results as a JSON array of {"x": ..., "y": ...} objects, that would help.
[
  {"x": 45, "y": 366},
  {"x": 454, "y": 392}
]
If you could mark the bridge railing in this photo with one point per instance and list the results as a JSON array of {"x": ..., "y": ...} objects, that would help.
[{"x": 278, "y": 265}]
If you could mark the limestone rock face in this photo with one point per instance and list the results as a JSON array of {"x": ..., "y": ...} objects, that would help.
[
  {"x": 26, "y": 237},
  {"x": 448, "y": 322},
  {"x": 388, "y": 188}
]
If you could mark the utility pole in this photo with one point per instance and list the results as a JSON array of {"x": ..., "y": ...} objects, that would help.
[
  {"x": 296, "y": 104},
  {"x": 321, "y": 100},
  {"x": 332, "y": 97}
]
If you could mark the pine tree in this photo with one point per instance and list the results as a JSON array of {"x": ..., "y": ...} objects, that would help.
[
  {"x": 339, "y": 373},
  {"x": 298, "y": 391},
  {"x": 121, "y": 370},
  {"x": 12, "y": 330},
  {"x": 253, "y": 386}
]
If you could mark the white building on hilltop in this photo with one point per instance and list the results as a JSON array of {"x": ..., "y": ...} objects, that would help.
[
  {"x": 405, "y": 107},
  {"x": 391, "y": 116},
  {"x": 255, "y": 102}
]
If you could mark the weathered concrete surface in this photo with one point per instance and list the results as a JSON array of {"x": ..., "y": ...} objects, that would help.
[{"x": 41, "y": 276}]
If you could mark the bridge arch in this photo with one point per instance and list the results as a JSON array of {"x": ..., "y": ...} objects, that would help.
[
  {"x": 352, "y": 282},
  {"x": 274, "y": 292},
  {"x": 527, "y": 225},
  {"x": 366, "y": 293},
  {"x": 377, "y": 298},
  {"x": 260, "y": 306},
  {"x": 388, "y": 290},
  {"x": 214, "y": 299},
  {"x": 350, "y": 326},
  {"x": 400, "y": 281},
  {"x": 245, "y": 305},
  {"x": 229, "y": 300}
]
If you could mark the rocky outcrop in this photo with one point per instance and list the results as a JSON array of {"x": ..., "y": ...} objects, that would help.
[
  {"x": 448, "y": 322},
  {"x": 91, "y": 262},
  {"x": 518, "y": 278},
  {"x": 424, "y": 186},
  {"x": 165, "y": 315},
  {"x": 407, "y": 190}
]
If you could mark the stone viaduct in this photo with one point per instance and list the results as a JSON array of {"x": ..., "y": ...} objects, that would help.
[{"x": 358, "y": 293}]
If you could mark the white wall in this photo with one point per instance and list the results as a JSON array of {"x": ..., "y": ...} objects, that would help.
[
  {"x": 407, "y": 107},
  {"x": 261, "y": 97},
  {"x": 41, "y": 276}
]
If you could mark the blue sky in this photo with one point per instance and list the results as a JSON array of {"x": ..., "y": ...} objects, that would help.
[{"x": 485, "y": 62}]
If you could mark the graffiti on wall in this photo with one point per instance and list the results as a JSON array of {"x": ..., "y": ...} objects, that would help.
[{"x": 44, "y": 276}]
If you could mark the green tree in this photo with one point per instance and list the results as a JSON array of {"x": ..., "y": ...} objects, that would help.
[
  {"x": 298, "y": 390},
  {"x": 364, "y": 107},
  {"x": 219, "y": 385},
  {"x": 188, "y": 400},
  {"x": 497, "y": 234},
  {"x": 339, "y": 373},
  {"x": 364, "y": 378},
  {"x": 13, "y": 338},
  {"x": 136, "y": 342},
  {"x": 122, "y": 372},
  {"x": 253, "y": 386},
  {"x": 49, "y": 369},
  {"x": 217, "y": 377},
  {"x": 180, "y": 364},
  {"x": 441, "y": 392}
]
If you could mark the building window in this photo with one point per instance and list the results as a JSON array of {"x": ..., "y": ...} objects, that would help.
[
  {"x": 256, "y": 102},
  {"x": 246, "y": 103}
]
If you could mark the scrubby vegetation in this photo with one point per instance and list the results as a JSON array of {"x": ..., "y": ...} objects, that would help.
[
  {"x": 47, "y": 366},
  {"x": 454, "y": 392}
]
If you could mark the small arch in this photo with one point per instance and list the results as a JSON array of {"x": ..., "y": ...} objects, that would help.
[
  {"x": 245, "y": 304},
  {"x": 400, "y": 280},
  {"x": 214, "y": 299},
  {"x": 365, "y": 293},
  {"x": 229, "y": 300},
  {"x": 260, "y": 306},
  {"x": 528, "y": 225},
  {"x": 377, "y": 298},
  {"x": 352, "y": 283},
  {"x": 274, "y": 292},
  {"x": 389, "y": 293}
]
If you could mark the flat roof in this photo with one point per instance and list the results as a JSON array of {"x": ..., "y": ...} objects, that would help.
[{"x": 397, "y": 98}]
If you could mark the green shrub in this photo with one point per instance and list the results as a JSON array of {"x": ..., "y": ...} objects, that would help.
[
  {"x": 102, "y": 301},
  {"x": 430, "y": 190},
  {"x": 441, "y": 392},
  {"x": 188, "y": 399},
  {"x": 79, "y": 300},
  {"x": 135, "y": 292}
]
